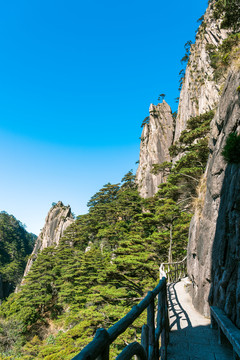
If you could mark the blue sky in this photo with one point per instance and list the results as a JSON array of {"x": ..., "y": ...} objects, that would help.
[{"x": 76, "y": 81}]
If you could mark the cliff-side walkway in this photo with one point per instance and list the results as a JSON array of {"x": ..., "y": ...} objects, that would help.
[{"x": 191, "y": 337}]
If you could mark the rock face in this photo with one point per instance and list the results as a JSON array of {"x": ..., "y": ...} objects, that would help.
[
  {"x": 214, "y": 240},
  {"x": 58, "y": 219},
  {"x": 157, "y": 137},
  {"x": 199, "y": 92}
]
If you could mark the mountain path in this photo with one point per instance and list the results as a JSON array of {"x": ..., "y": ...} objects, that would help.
[{"x": 191, "y": 337}]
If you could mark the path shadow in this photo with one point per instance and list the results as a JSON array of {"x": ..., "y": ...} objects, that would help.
[
  {"x": 198, "y": 343},
  {"x": 188, "y": 339},
  {"x": 176, "y": 308}
]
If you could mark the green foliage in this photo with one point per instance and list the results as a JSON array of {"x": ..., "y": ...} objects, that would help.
[
  {"x": 229, "y": 12},
  {"x": 145, "y": 121},
  {"x": 105, "y": 195},
  {"x": 222, "y": 56},
  {"x": 107, "y": 259},
  {"x": 184, "y": 60},
  {"x": 161, "y": 97},
  {"x": 11, "y": 335},
  {"x": 200, "y": 20},
  {"x": 187, "y": 48},
  {"x": 181, "y": 78},
  {"x": 163, "y": 167},
  {"x": 191, "y": 139},
  {"x": 231, "y": 151},
  {"x": 173, "y": 201},
  {"x": 174, "y": 115},
  {"x": 186, "y": 172},
  {"x": 104, "y": 262},
  {"x": 16, "y": 244}
]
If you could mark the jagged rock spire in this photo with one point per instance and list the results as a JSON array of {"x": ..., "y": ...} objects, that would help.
[
  {"x": 157, "y": 136},
  {"x": 58, "y": 219}
]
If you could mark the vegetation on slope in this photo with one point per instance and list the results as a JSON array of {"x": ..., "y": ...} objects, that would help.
[
  {"x": 228, "y": 53},
  {"x": 229, "y": 12},
  {"x": 177, "y": 195},
  {"x": 15, "y": 246},
  {"x": 104, "y": 264},
  {"x": 231, "y": 151},
  {"x": 107, "y": 260}
]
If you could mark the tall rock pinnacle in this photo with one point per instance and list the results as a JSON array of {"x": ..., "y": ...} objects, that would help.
[
  {"x": 157, "y": 137},
  {"x": 58, "y": 219}
]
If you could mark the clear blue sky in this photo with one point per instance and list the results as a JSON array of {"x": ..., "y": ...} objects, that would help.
[{"x": 76, "y": 81}]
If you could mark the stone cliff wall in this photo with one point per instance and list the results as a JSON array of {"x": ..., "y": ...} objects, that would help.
[
  {"x": 214, "y": 241},
  {"x": 157, "y": 137},
  {"x": 58, "y": 219},
  {"x": 199, "y": 92}
]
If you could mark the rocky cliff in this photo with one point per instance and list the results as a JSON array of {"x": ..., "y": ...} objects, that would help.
[
  {"x": 157, "y": 137},
  {"x": 200, "y": 93},
  {"x": 214, "y": 241},
  {"x": 58, "y": 219}
]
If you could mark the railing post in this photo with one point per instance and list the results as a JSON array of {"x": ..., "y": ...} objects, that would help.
[
  {"x": 175, "y": 270},
  {"x": 164, "y": 334},
  {"x": 96, "y": 349},
  {"x": 145, "y": 339},
  {"x": 105, "y": 354},
  {"x": 151, "y": 326},
  {"x": 167, "y": 317},
  {"x": 159, "y": 325},
  {"x": 133, "y": 349}
]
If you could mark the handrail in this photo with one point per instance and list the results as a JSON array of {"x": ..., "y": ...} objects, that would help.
[
  {"x": 176, "y": 262},
  {"x": 132, "y": 349},
  {"x": 175, "y": 270},
  {"x": 149, "y": 348}
]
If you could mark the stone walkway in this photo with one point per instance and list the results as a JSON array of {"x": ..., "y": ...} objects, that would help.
[{"x": 191, "y": 337}]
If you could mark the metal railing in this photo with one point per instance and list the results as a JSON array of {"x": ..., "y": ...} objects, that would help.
[
  {"x": 149, "y": 348},
  {"x": 173, "y": 271}
]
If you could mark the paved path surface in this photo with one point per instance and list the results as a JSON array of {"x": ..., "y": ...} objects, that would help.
[{"x": 191, "y": 337}]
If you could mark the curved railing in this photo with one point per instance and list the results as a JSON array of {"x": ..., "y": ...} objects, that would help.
[
  {"x": 98, "y": 348},
  {"x": 173, "y": 271}
]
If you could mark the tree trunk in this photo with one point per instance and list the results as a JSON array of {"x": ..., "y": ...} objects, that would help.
[{"x": 170, "y": 246}]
